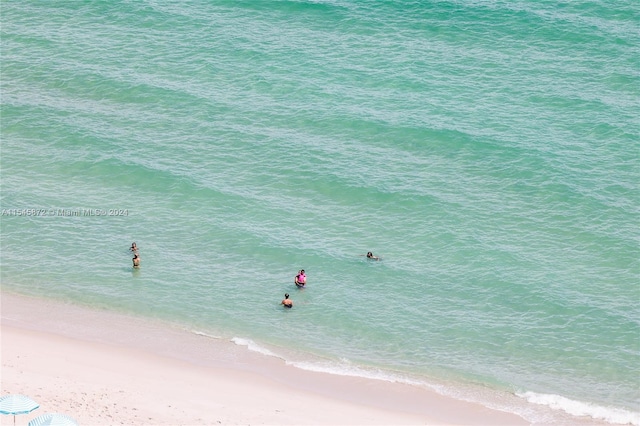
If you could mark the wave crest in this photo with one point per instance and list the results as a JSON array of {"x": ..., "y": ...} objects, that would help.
[{"x": 581, "y": 409}]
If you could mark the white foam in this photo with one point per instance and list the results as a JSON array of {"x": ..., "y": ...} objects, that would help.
[
  {"x": 578, "y": 408},
  {"x": 345, "y": 368},
  {"x": 202, "y": 333},
  {"x": 252, "y": 346}
]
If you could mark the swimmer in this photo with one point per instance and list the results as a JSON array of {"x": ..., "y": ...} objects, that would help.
[
  {"x": 286, "y": 302},
  {"x": 370, "y": 256},
  {"x": 301, "y": 279},
  {"x": 134, "y": 247},
  {"x": 136, "y": 261}
]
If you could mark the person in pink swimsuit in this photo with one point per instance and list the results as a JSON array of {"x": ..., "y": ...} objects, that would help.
[{"x": 301, "y": 279}]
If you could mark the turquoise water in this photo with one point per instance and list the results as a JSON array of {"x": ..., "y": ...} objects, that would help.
[{"x": 487, "y": 151}]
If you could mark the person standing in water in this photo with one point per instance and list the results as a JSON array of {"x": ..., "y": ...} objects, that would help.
[
  {"x": 134, "y": 247},
  {"x": 301, "y": 279},
  {"x": 136, "y": 261},
  {"x": 286, "y": 302}
]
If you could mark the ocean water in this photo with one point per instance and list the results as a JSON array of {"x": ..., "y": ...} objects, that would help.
[{"x": 488, "y": 151}]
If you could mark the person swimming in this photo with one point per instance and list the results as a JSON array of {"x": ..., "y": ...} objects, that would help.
[
  {"x": 371, "y": 256},
  {"x": 134, "y": 247},
  {"x": 286, "y": 302},
  {"x": 301, "y": 279}
]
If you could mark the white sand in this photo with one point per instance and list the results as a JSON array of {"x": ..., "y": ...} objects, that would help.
[{"x": 103, "y": 368}]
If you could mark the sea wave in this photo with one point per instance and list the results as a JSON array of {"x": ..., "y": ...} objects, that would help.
[
  {"x": 253, "y": 346},
  {"x": 343, "y": 367},
  {"x": 579, "y": 409}
]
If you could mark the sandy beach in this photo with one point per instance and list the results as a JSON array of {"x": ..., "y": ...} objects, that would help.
[{"x": 103, "y": 368}]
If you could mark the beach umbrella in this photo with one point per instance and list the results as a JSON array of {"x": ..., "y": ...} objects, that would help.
[
  {"x": 53, "y": 419},
  {"x": 17, "y": 404}
]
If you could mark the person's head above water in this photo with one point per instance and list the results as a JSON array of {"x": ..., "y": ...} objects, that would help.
[
  {"x": 369, "y": 254},
  {"x": 287, "y": 302}
]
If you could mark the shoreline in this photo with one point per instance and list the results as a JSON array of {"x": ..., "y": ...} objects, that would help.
[{"x": 102, "y": 367}]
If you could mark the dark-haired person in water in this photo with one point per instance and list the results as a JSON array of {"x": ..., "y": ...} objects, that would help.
[
  {"x": 370, "y": 256},
  {"x": 136, "y": 261},
  {"x": 286, "y": 302},
  {"x": 300, "y": 279}
]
